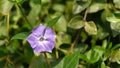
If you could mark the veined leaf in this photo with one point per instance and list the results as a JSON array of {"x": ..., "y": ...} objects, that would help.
[
  {"x": 5, "y": 6},
  {"x": 76, "y": 23},
  {"x": 52, "y": 22},
  {"x": 23, "y": 35},
  {"x": 90, "y": 28},
  {"x": 70, "y": 61}
]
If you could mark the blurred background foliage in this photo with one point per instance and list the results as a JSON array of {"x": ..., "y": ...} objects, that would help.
[{"x": 87, "y": 31}]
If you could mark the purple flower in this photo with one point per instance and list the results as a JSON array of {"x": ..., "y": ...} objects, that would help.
[{"x": 42, "y": 39}]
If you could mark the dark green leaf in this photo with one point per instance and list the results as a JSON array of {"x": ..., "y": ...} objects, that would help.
[
  {"x": 116, "y": 47},
  {"x": 52, "y": 22},
  {"x": 38, "y": 62},
  {"x": 69, "y": 61},
  {"x": 23, "y": 35}
]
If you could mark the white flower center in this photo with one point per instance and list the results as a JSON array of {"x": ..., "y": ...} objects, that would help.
[{"x": 41, "y": 39}]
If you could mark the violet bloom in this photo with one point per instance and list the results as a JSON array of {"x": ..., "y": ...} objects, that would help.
[{"x": 42, "y": 39}]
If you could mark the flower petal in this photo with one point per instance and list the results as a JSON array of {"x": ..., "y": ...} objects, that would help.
[
  {"x": 49, "y": 45},
  {"x": 32, "y": 40},
  {"x": 39, "y": 30},
  {"x": 49, "y": 34},
  {"x": 39, "y": 48}
]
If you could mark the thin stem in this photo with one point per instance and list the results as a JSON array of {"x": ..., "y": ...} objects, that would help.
[
  {"x": 85, "y": 15},
  {"x": 75, "y": 41},
  {"x": 7, "y": 20},
  {"x": 24, "y": 15},
  {"x": 47, "y": 60},
  {"x": 57, "y": 54}
]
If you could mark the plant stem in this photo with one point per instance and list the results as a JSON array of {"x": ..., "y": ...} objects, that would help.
[
  {"x": 75, "y": 41},
  {"x": 24, "y": 15},
  {"x": 85, "y": 15},
  {"x": 47, "y": 60},
  {"x": 7, "y": 20}
]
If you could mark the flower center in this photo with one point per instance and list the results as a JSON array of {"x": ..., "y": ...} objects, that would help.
[{"x": 41, "y": 39}]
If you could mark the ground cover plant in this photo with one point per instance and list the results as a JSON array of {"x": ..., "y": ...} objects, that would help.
[{"x": 59, "y": 33}]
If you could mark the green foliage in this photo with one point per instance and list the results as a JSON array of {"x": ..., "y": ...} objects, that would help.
[
  {"x": 76, "y": 23},
  {"x": 20, "y": 36},
  {"x": 52, "y": 21},
  {"x": 87, "y": 33},
  {"x": 91, "y": 28},
  {"x": 5, "y": 6},
  {"x": 69, "y": 61}
]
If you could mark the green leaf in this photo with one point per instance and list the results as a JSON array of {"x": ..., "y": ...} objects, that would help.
[
  {"x": 83, "y": 57},
  {"x": 95, "y": 54},
  {"x": 96, "y": 7},
  {"x": 5, "y": 6},
  {"x": 3, "y": 28},
  {"x": 23, "y": 35},
  {"x": 115, "y": 56},
  {"x": 38, "y": 62},
  {"x": 61, "y": 25},
  {"x": 69, "y": 61},
  {"x": 103, "y": 65},
  {"x": 106, "y": 13},
  {"x": 34, "y": 12},
  {"x": 116, "y": 47},
  {"x": 90, "y": 28},
  {"x": 117, "y": 3},
  {"x": 76, "y": 23},
  {"x": 80, "y": 5},
  {"x": 114, "y": 24},
  {"x": 62, "y": 38},
  {"x": 28, "y": 53},
  {"x": 52, "y": 22},
  {"x": 18, "y": 1}
]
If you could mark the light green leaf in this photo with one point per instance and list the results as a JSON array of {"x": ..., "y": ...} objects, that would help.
[
  {"x": 69, "y": 61},
  {"x": 76, "y": 23},
  {"x": 80, "y": 5},
  {"x": 96, "y": 7},
  {"x": 106, "y": 13},
  {"x": 52, "y": 22},
  {"x": 3, "y": 28},
  {"x": 117, "y": 3},
  {"x": 114, "y": 24},
  {"x": 61, "y": 25},
  {"x": 90, "y": 28},
  {"x": 23, "y": 35},
  {"x": 62, "y": 38},
  {"x": 115, "y": 56},
  {"x": 95, "y": 54},
  {"x": 83, "y": 57},
  {"x": 103, "y": 65},
  {"x": 18, "y": 1},
  {"x": 5, "y": 6},
  {"x": 32, "y": 17}
]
